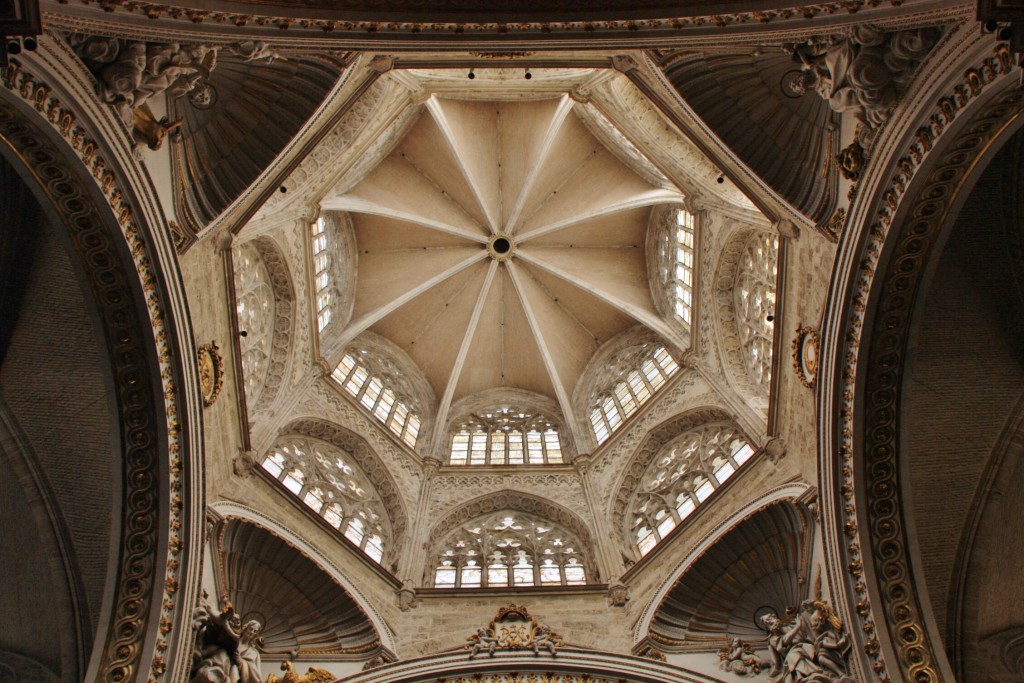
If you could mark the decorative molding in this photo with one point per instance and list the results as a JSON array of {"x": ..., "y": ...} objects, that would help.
[
  {"x": 893, "y": 603},
  {"x": 806, "y": 355},
  {"x": 338, "y": 23},
  {"x": 144, "y": 423},
  {"x": 513, "y": 629},
  {"x": 211, "y": 372},
  {"x": 571, "y": 665}
]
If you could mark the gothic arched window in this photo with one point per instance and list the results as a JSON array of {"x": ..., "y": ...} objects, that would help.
[
  {"x": 325, "y": 478},
  {"x": 255, "y": 307},
  {"x": 510, "y": 549},
  {"x": 755, "y": 304},
  {"x": 505, "y": 436},
  {"x": 366, "y": 376},
  {"x": 322, "y": 274},
  {"x": 654, "y": 366},
  {"x": 675, "y": 253},
  {"x": 686, "y": 471}
]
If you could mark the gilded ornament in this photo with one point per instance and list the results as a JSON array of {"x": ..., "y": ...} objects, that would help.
[
  {"x": 211, "y": 372},
  {"x": 806, "y": 352},
  {"x": 313, "y": 675},
  {"x": 513, "y": 629}
]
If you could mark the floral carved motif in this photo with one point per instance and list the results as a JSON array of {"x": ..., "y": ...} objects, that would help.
[
  {"x": 806, "y": 353},
  {"x": 211, "y": 372}
]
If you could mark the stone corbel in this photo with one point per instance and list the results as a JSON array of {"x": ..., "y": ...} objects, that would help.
[
  {"x": 244, "y": 464},
  {"x": 407, "y": 598},
  {"x": 775, "y": 449},
  {"x": 618, "y": 594},
  {"x": 787, "y": 228}
]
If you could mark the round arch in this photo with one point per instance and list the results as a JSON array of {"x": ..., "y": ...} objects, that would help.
[{"x": 919, "y": 178}]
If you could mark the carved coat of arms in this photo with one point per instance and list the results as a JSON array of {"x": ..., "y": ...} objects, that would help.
[{"x": 513, "y": 629}]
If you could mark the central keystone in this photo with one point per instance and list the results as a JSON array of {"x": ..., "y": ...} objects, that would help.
[{"x": 501, "y": 247}]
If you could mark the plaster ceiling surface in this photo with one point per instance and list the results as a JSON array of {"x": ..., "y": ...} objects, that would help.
[{"x": 500, "y": 244}]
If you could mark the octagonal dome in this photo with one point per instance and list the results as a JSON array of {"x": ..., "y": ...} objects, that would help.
[{"x": 499, "y": 244}]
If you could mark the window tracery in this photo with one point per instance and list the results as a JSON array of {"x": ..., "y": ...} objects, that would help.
[
  {"x": 679, "y": 245},
  {"x": 683, "y": 475},
  {"x": 322, "y": 274},
  {"x": 510, "y": 549},
  {"x": 376, "y": 383},
  {"x": 755, "y": 304},
  {"x": 254, "y": 294},
  {"x": 505, "y": 436},
  {"x": 326, "y": 479},
  {"x": 634, "y": 387}
]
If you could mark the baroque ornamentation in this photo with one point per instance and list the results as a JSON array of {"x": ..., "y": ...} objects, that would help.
[
  {"x": 513, "y": 629},
  {"x": 834, "y": 227},
  {"x": 737, "y": 657},
  {"x": 898, "y": 607},
  {"x": 806, "y": 354},
  {"x": 224, "y": 650},
  {"x": 140, "y": 419},
  {"x": 211, "y": 372},
  {"x": 814, "y": 648},
  {"x": 489, "y": 29},
  {"x": 313, "y": 675},
  {"x": 862, "y": 72}
]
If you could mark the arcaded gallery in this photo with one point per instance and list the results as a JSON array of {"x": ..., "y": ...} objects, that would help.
[{"x": 476, "y": 341}]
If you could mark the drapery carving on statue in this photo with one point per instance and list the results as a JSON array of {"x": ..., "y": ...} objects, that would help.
[
  {"x": 739, "y": 658},
  {"x": 863, "y": 72},
  {"x": 131, "y": 72},
  {"x": 225, "y": 651},
  {"x": 814, "y": 648}
]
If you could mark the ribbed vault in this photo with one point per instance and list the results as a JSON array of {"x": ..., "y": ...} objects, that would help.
[
  {"x": 302, "y": 609},
  {"x": 789, "y": 142},
  {"x": 756, "y": 566},
  {"x": 500, "y": 244},
  {"x": 256, "y": 110}
]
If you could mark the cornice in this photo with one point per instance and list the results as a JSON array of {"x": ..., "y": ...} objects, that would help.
[{"x": 315, "y": 28}]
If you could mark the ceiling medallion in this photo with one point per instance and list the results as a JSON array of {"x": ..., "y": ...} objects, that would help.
[
  {"x": 805, "y": 355},
  {"x": 211, "y": 372}
]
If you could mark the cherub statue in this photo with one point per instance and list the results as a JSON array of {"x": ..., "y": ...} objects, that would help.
[
  {"x": 483, "y": 639},
  {"x": 543, "y": 637},
  {"x": 738, "y": 658}
]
